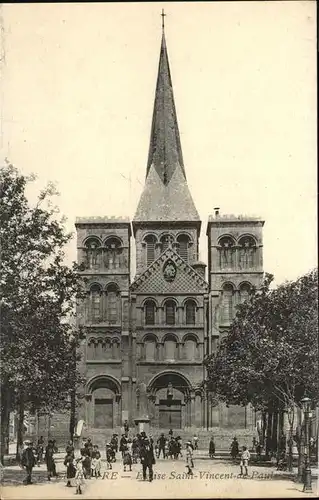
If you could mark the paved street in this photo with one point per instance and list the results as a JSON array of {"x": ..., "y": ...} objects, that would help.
[{"x": 211, "y": 479}]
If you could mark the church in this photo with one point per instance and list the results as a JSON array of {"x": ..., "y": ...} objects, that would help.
[{"x": 147, "y": 336}]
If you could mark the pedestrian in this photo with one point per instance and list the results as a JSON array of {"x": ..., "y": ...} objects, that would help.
[
  {"x": 195, "y": 442},
  {"x": 79, "y": 475},
  {"x": 114, "y": 443},
  {"x": 234, "y": 448},
  {"x": 109, "y": 456},
  {"x": 70, "y": 468},
  {"x": 189, "y": 458},
  {"x": 49, "y": 460},
  {"x": 28, "y": 461},
  {"x": 258, "y": 451},
  {"x": 40, "y": 450},
  {"x": 127, "y": 458},
  {"x": 161, "y": 445},
  {"x": 69, "y": 449},
  {"x": 211, "y": 448},
  {"x": 166, "y": 448},
  {"x": 245, "y": 456},
  {"x": 126, "y": 428},
  {"x": 179, "y": 446},
  {"x": 147, "y": 459},
  {"x": 96, "y": 462},
  {"x": 123, "y": 442},
  {"x": 135, "y": 451},
  {"x": 86, "y": 462},
  {"x": 170, "y": 432}
]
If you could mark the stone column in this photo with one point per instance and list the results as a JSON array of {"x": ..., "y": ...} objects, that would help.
[
  {"x": 198, "y": 410},
  {"x": 193, "y": 411},
  {"x": 180, "y": 319},
  {"x": 160, "y": 351}
]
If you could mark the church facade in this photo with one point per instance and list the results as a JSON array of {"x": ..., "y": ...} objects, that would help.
[{"x": 147, "y": 337}]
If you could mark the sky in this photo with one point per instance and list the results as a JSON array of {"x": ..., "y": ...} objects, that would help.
[{"x": 77, "y": 94}]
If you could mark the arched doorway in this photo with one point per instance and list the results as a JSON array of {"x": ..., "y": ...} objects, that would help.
[
  {"x": 103, "y": 402},
  {"x": 170, "y": 393}
]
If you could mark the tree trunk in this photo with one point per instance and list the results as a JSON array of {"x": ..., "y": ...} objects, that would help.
[
  {"x": 274, "y": 437},
  {"x": 72, "y": 414},
  {"x": 268, "y": 433},
  {"x": 5, "y": 417},
  {"x": 20, "y": 428}
]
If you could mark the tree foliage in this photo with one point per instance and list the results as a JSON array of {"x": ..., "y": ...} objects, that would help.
[
  {"x": 38, "y": 294},
  {"x": 270, "y": 355}
]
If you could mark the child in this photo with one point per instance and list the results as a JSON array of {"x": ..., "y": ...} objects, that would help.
[
  {"x": 166, "y": 449},
  {"x": 79, "y": 475},
  {"x": 109, "y": 456},
  {"x": 189, "y": 458},
  {"x": 127, "y": 458},
  {"x": 70, "y": 468},
  {"x": 96, "y": 462},
  {"x": 196, "y": 442},
  {"x": 245, "y": 456}
]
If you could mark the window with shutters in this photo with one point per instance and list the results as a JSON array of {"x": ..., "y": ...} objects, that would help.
[
  {"x": 149, "y": 312},
  {"x": 113, "y": 304},
  {"x": 170, "y": 309},
  {"x": 227, "y": 303},
  {"x": 190, "y": 312},
  {"x": 95, "y": 303},
  {"x": 183, "y": 246},
  {"x": 150, "y": 242}
]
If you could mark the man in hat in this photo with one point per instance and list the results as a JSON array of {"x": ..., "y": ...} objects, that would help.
[
  {"x": 147, "y": 458},
  {"x": 28, "y": 461},
  {"x": 161, "y": 445}
]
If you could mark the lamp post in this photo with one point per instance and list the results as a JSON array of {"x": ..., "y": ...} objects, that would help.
[{"x": 306, "y": 405}]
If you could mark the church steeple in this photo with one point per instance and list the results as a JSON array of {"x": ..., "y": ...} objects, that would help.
[{"x": 166, "y": 196}]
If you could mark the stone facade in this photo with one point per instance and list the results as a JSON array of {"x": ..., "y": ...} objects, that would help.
[{"x": 147, "y": 339}]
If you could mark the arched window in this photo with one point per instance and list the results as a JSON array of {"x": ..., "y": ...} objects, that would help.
[
  {"x": 115, "y": 349},
  {"x": 183, "y": 246},
  {"x": 113, "y": 304},
  {"x": 150, "y": 312},
  {"x": 226, "y": 252},
  {"x": 227, "y": 303},
  {"x": 244, "y": 292},
  {"x": 112, "y": 251},
  {"x": 247, "y": 252},
  {"x": 170, "y": 348},
  {"x": 170, "y": 309},
  {"x": 92, "y": 246},
  {"x": 190, "y": 312},
  {"x": 166, "y": 241},
  {"x": 95, "y": 303},
  {"x": 190, "y": 348},
  {"x": 150, "y": 242},
  {"x": 150, "y": 348}
]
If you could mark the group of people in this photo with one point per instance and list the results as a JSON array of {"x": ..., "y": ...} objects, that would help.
[{"x": 33, "y": 455}]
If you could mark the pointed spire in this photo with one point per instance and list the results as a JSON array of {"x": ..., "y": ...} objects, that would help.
[
  {"x": 165, "y": 151},
  {"x": 165, "y": 196}
]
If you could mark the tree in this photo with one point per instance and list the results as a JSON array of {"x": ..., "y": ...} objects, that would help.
[
  {"x": 38, "y": 332},
  {"x": 270, "y": 356}
]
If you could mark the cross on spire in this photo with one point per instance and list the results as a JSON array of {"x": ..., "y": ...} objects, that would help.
[{"x": 163, "y": 19}]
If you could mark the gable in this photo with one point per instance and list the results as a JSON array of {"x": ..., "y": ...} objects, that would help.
[{"x": 157, "y": 279}]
